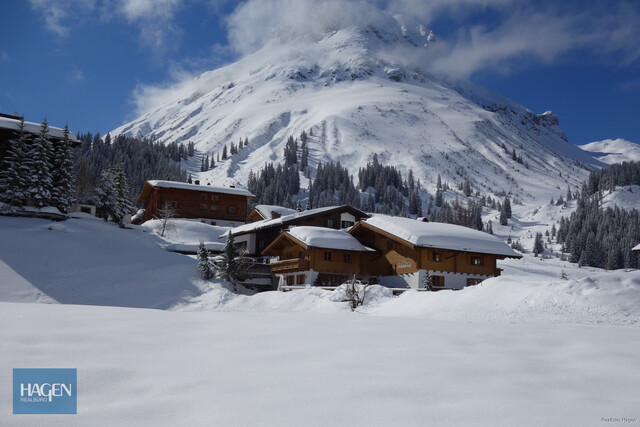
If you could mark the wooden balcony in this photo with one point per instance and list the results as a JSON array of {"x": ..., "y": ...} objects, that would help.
[{"x": 290, "y": 265}]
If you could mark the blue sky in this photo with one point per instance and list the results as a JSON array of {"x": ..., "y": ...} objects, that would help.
[{"x": 90, "y": 62}]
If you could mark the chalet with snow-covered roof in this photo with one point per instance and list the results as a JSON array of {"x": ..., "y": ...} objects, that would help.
[
  {"x": 254, "y": 237},
  {"x": 262, "y": 212},
  {"x": 9, "y": 125},
  {"x": 318, "y": 255},
  {"x": 214, "y": 205},
  {"x": 453, "y": 256},
  {"x": 636, "y": 249}
]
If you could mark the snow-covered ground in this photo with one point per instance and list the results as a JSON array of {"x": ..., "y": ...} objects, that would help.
[
  {"x": 612, "y": 151},
  {"x": 527, "y": 348}
]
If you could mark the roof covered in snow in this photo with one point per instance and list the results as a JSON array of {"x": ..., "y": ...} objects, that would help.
[
  {"x": 265, "y": 210},
  {"x": 441, "y": 235},
  {"x": 195, "y": 187},
  {"x": 34, "y": 128},
  {"x": 287, "y": 219},
  {"x": 321, "y": 237},
  {"x": 637, "y": 248}
]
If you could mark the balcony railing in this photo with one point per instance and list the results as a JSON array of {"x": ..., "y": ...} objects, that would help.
[{"x": 290, "y": 265}]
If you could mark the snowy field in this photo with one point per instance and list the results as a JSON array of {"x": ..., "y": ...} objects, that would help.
[{"x": 527, "y": 348}]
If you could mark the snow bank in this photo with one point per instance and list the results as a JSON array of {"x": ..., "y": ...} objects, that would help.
[
  {"x": 82, "y": 261},
  {"x": 151, "y": 367}
]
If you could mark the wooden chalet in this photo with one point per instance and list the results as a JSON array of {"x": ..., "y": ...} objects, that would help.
[
  {"x": 318, "y": 255},
  {"x": 262, "y": 212},
  {"x": 407, "y": 249},
  {"x": 636, "y": 249},
  {"x": 256, "y": 236},
  {"x": 214, "y": 205},
  {"x": 9, "y": 126}
]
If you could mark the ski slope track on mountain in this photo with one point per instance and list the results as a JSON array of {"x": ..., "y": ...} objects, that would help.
[{"x": 363, "y": 90}]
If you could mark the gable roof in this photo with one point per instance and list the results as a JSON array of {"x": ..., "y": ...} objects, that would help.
[
  {"x": 636, "y": 249},
  {"x": 329, "y": 238},
  {"x": 193, "y": 187},
  {"x": 439, "y": 235},
  {"x": 265, "y": 210},
  {"x": 318, "y": 237},
  {"x": 293, "y": 218}
]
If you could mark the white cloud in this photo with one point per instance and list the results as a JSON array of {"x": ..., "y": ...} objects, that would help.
[
  {"x": 4, "y": 56},
  {"x": 74, "y": 76}
]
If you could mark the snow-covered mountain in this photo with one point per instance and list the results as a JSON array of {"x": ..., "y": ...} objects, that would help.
[
  {"x": 612, "y": 151},
  {"x": 359, "y": 90}
]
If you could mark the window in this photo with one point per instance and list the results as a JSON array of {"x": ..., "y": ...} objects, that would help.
[
  {"x": 301, "y": 255},
  {"x": 203, "y": 197},
  {"x": 329, "y": 222},
  {"x": 300, "y": 279},
  {"x": 437, "y": 281},
  {"x": 173, "y": 204},
  {"x": 327, "y": 256},
  {"x": 473, "y": 282},
  {"x": 476, "y": 260},
  {"x": 214, "y": 198},
  {"x": 214, "y": 208},
  {"x": 261, "y": 244},
  {"x": 232, "y": 210},
  {"x": 346, "y": 224},
  {"x": 346, "y": 258},
  {"x": 203, "y": 207},
  {"x": 436, "y": 256},
  {"x": 389, "y": 245}
]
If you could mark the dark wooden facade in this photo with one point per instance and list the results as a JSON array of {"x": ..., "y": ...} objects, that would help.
[{"x": 194, "y": 202}]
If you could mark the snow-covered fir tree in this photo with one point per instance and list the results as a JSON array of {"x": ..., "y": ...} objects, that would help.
[
  {"x": 231, "y": 264},
  {"x": 206, "y": 267},
  {"x": 14, "y": 182},
  {"x": 112, "y": 194},
  {"x": 40, "y": 180},
  {"x": 63, "y": 190}
]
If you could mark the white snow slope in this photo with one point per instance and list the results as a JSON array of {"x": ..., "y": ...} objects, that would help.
[
  {"x": 612, "y": 151},
  {"x": 527, "y": 348},
  {"x": 356, "y": 91}
]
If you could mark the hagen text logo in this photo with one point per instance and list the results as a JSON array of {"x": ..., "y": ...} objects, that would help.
[{"x": 44, "y": 391}]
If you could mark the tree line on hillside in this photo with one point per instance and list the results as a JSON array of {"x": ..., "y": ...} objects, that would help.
[{"x": 599, "y": 237}]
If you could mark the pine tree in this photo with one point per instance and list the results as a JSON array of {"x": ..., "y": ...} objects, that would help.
[
  {"x": 507, "y": 206},
  {"x": 14, "y": 182},
  {"x": 231, "y": 264},
  {"x": 40, "y": 179},
  {"x": 205, "y": 266},
  {"x": 63, "y": 190},
  {"x": 112, "y": 194},
  {"x": 503, "y": 216},
  {"x": 224, "y": 152},
  {"x": 538, "y": 245},
  {"x": 466, "y": 188}
]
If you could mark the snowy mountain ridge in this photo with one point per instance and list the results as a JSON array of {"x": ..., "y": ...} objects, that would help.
[
  {"x": 611, "y": 151},
  {"x": 360, "y": 90}
]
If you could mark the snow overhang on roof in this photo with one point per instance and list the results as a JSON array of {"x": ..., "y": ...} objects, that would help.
[
  {"x": 266, "y": 210},
  {"x": 636, "y": 249},
  {"x": 442, "y": 236},
  {"x": 195, "y": 187},
  {"x": 34, "y": 128},
  {"x": 283, "y": 220},
  {"x": 328, "y": 238}
]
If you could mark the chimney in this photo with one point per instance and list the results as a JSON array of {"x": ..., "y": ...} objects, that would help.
[
  {"x": 189, "y": 180},
  {"x": 275, "y": 215},
  {"x": 197, "y": 182}
]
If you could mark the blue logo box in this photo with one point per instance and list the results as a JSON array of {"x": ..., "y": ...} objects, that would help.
[{"x": 45, "y": 391}]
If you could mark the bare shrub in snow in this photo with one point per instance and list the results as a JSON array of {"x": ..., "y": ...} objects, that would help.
[
  {"x": 354, "y": 292},
  {"x": 166, "y": 214}
]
